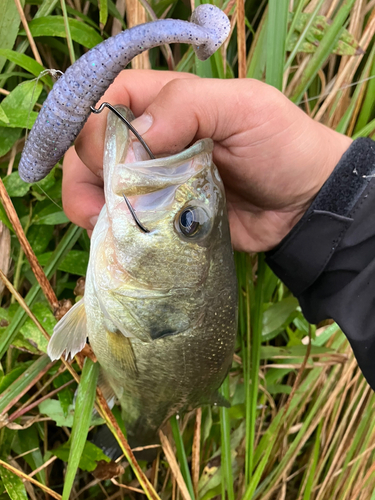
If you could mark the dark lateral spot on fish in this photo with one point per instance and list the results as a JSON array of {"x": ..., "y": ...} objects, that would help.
[{"x": 156, "y": 333}]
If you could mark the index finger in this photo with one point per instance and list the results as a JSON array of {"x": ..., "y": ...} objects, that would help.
[{"x": 134, "y": 88}]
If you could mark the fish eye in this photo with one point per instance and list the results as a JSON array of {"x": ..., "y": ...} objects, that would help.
[{"x": 193, "y": 221}]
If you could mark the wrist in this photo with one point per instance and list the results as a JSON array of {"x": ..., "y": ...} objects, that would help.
[
  {"x": 332, "y": 145},
  {"x": 304, "y": 252}
]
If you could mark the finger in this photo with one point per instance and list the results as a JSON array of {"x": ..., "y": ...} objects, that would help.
[
  {"x": 133, "y": 88},
  {"x": 82, "y": 191},
  {"x": 187, "y": 110}
]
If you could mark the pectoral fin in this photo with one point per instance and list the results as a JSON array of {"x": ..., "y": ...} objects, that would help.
[
  {"x": 122, "y": 351},
  {"x": 69, "y": 335}
]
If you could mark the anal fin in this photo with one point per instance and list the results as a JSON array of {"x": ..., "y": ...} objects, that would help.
[
  {"x": 107, "y": 391},
  {"x": 69, "y": 335},
  {"x": 219, "y": 400}
]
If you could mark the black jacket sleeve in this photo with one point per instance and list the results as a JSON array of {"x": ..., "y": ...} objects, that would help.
[{"x": 328, "y": 259}]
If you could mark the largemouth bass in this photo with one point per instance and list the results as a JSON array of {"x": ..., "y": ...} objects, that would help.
[{"x": 159, "y": 308}]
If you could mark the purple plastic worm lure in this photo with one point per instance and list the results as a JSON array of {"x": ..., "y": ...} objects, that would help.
[{"x": 67, "y": 107}]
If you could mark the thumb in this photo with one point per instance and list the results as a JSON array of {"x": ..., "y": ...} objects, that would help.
[{"x": 188, "y": 110}]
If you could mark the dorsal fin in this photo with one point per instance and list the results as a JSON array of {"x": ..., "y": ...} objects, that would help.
[{"x": 69, "y": 335}]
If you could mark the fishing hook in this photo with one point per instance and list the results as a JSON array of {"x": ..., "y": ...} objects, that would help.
[
  {"x": 137, "y": 221},
  {"x": 127, "y": 123},
  {"x": 141, "y": 140}
]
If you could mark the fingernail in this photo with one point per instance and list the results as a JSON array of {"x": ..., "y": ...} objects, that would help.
[
  {"x": 143, "y": 123},
  {"x": 94, "y": 220}
]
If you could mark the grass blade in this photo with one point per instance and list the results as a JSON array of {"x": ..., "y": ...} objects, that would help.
[
  {"x": 82, "y": 418},
  {"x": 312, "y": 468},
  {"x": 276, "y": 39},
  {"x": 256, "y": 339},
  {"x": 67, "y": 31},
  {"x": 366, "y": 131},
  {"x": 226, "y": 455},
  {"x": 21, "y": 385},
  {"x": 181, "y": 455},
  {"x": 103, "y": 13}
]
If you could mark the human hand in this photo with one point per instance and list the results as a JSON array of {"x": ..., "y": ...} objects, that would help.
[{"x": 272, "y": 157}]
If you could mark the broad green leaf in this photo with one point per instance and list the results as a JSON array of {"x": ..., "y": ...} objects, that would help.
[
  {"x": 13, "y": 484},
  {"x": 15, "y": 186},
  {"x": 53, "y": 409},
  {"x": 51, "y": 218},
  {"x": 54, "y": 26},
  {"x": 277, "y": 314},
  {"x": 10, "y": 377},
  {"x": 31, "y": 333},
  {"x": 9, "y": 24},
  {"x": 8, "y": 136},
  {"x": 27, "y": 443},
  {"x": 65, "y": 395},
  {"x": 82, "y": 417},
  {"x": 3, "y": 116},
  {"x": 19, "y": 103},
  {"x": 27, "y": 63},
  {"x": 75, "y": 262},
  {"x": 39, "y": 237},
  {"x": 90, "y": 457}
]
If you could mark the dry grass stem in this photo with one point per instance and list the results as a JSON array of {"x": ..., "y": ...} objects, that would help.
[
  {"x": 346, "y": 74},
  {"x": 23, "y": 304},
  {"x": 13, "y": 153},
  {"x": 241, "y": 38},
  {"x": 4, "y": 252},
  {"x": 30, "y": 479},
  {"x": 106, "y": 413},
  {"x": 136, "y": 14},
  {"x": 171, "y": 458},
  {"x": 196, "y": 451},
  {"x": 44, "y": 466},
  {"x": 28, "y": 32}
]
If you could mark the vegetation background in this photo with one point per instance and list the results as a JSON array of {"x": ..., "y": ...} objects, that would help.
[{"x": 301, "y": 423}]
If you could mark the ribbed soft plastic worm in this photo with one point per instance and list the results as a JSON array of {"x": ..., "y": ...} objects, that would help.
[{"x": 67, "y": 107}]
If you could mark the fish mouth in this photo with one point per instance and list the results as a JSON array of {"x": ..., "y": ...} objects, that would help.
[
  {"x": 148, "y": 184},
  {"x": 140, "y": 175}
]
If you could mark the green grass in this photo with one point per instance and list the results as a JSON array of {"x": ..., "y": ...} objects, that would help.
[{"x": 301, "y": 422}]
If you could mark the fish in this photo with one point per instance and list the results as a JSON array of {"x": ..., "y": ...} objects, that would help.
[{"x": 160, "y": 307}]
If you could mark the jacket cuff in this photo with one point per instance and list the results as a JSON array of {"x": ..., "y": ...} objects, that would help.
[{"x": 301, "y": 257}]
